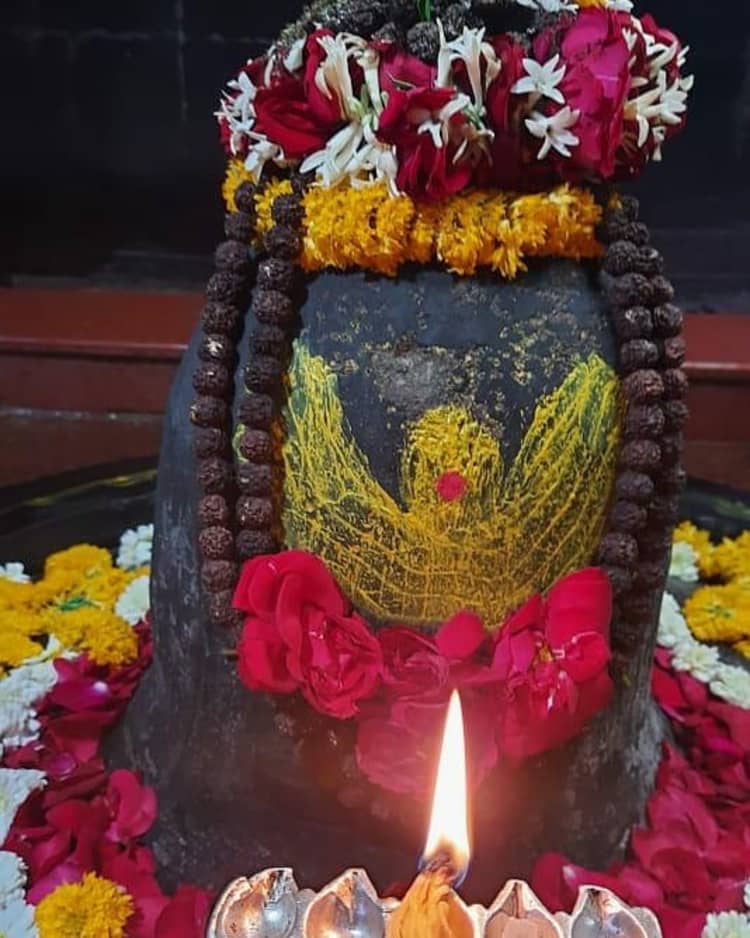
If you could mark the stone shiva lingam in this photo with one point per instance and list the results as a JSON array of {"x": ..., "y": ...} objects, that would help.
[{"x": 271, "y": 905}]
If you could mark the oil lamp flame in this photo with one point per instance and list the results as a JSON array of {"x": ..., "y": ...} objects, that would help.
[{"x": 448, "y": 838}]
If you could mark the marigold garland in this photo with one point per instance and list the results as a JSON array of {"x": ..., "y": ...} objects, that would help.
[
  {"x": 372, "y": 230},
  {"x": 719, "y": 614},
  {"x": 93, "y": 908}
]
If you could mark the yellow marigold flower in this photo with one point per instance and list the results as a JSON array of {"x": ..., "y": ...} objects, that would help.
[
  {"x": 700, "y": 541},
  {"x": 104, "y": 636},
  {"x": 24, "y": 621},
  {"x": 15, "y": 648},
  {"x": 15, "y": 595},
  {"x": 743, "y": 648},
  {"x": 93, "y": 908},
  {"x": 719, "y": 614},
  {"x": 83, "y": 558},
  {"x": 235, "y": 176},
  {"x": 265, "y": 199},
  {"x": 731, "y": 559},
  {"x": 105, "y": 589}
]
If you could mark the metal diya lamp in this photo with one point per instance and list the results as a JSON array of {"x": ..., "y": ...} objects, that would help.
[{"x": 271, "y": 905}]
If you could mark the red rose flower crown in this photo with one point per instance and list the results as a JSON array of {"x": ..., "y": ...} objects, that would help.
[{"x": 587, "y": 93}]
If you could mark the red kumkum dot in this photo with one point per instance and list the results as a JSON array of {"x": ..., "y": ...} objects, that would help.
[{"x": 451, "y": 486}]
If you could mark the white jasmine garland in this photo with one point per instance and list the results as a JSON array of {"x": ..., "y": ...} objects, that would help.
[
  {"x": 554, "y": 131},
  {"x": 15, "y": 572},
  {"x": 701, "y": 661},
  {"x": 684, "y": 562},
  {"x": 732, "y": 684},
  {"x": 673, "y": 629},
  {"x": 12, "y": 878},
  {"x": 23, "y": 688},
  {"x": 15, "y": 787},
  {"x": 135, "y": 548},
  {"x": 727, "y": 925},
  {"x": 134, "y": 602},
  {"x": 17, "y": 920}
]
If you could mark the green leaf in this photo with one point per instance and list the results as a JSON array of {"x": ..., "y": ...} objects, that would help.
[
  {"x": 75, "y": 602},
  {"x": 424, "y": 7}
]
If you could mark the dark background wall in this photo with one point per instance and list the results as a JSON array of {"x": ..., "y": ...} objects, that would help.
[{"x": 110, "y": 164}]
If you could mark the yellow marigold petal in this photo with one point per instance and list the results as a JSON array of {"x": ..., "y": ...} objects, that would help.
[
  {"x": 718, "y": 614},
  {"x": 236, "y": 174},
  {"x": 23, "y": 621},
  {"x": 15, "y": 648},
  {"x": 16, "y": 595},
  {"x": 104, "y": 636},
  {"x": 743, "y": 648},
  {"x": 93, "y": 908},
  {"x": 83, "y": 558}
]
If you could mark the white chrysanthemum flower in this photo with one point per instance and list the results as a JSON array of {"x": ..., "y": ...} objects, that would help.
[
  {"x": 542, "y": 79},
  {"x": 701, "y": 661},
  {"x": 727, "y": 925},
  {"x": 135, "y": 601},
  {"x": 673, "y": 629},
  {"x": 18, "y": 694},
  {"x": 136, "y": 547},
  {"x": 684, "y": 563},
  {"x": 554, "y": 131},
  {"x": 15, "y": 787},
  {"x": 733, "y": 685},
  {"x": 471, "y": 49},
  {"x": 17, "y": 920},
  {"x": 15, "y": 572},
  {"x": 12, "y": 878}
]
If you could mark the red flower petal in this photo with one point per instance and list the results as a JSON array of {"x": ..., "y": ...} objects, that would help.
[{"x": 461, "y": 636}]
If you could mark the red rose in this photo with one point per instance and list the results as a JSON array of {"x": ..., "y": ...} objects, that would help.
[
  {"x": 412, "y": 664},
  {"x": 287, "y": 118},
  {"x": 426, "y": 170},
  {"x": 596, "y": 83},
  {"x": 552, "y": 658},
  {"x": 325, "y": 107},
  {"x": 399, "y": 71},
  {"x": 300, "y": 633}
]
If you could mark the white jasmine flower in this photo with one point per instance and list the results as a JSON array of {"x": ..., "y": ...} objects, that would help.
[
  {"x": 619, "y": 6},
  {"x": 701, "y": 661},
  {"x": 136, "y": 547},
  {"x": 746, "y": 895},
  {"x": 260, "y": 152},
  {"x": 684, "y": 563},
  {"x": 12, "y": 878},
  {"x": 15, "y": 572},
  {"x": 18, "y": 693},
  {"x": 549, "y": 6},
  {"x": 243, "y": 105},
  {"x": 134, "y": 601},
  {"x": 332, "y": 76},
  {"x": 471, "y": 49},
  {"x": 727, "y": 925},
  {"x": 554, "y": 131},
  {"x": 15, "y": 787},
  {"x": 17, "y": 920},
  {"x": 542, "y": 80},
  {"x": 673, "y": 629},
  {"x": 295, "y": 59},
  {"x": 733, "y": 685}
]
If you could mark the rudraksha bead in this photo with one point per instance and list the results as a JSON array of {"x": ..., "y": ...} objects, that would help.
[
  {"x": 273, "y": 308},
  {"x": 638, "y": 606},
  {"x": 269, "y": 340},
  {"x": 232, "y": 255},
  {"x": 216, "y": 348},
  {"x": 627, "y": 290},
  {"x": 210, "y": 441},
  {"x": 650, "y": 262},
  {"x": 638, "y": 354},
  {"x": 618, "y": 550},
  {"x": 221, "y": 318},
  {"x": 284, "y": 242},
  {"x": 244, "y": 197},
  {"x": 663, "y": 291},
  {"x": 671, "y": 448},
  {"x": 218, "y": 575},
  {"x": 213, "y": 510},
  {"x": 255, "y": 513},
  {"x": 627, "y": 517},
  {"x": 257, "y": 410},
  {"x": 675, "y": 384},
  {"x": 212, "y": 379},
  {"x": 635, "y": 487},
  {"x": 651, "y": 574},
  {"x": 226, "y": 286},
  {"x": 668, "y": 320},
  {"x": 634, "y": 323},
  {"x": 641, "y": 455},
  {"x": 655, "y": 543},
  {"x": 614, "y": 227},
  {"x": 255, "y": 479},
  {"x": 630, "y": 207},
  {"x": 621, "y": 578},
  {"x": 221, "y": 610},
  {"x": 674, "y": 351},
  {"x": 287, "y": 210},
  {"x": 254, "y": 543},
  {"x": 256, "y": 446},
  {"x": 621, "y": 257},
  {"x": 215, "y": 475},
  {"x": 239, "y": 226},
  {"x": 638, "y": 233},
  {"x": 643, "y": 386},
  {"x": 216, "y": 543},
  {"x": 274, "y": 273},
  {"x": 644, "y": 421},
  {"x": 664, "y": 509},
  {"x": 263, "y": 373},
  {"x": 672, "y": 480},
  {"x": 676, "y": 414},
  {"x": 209, "y": 412}
]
